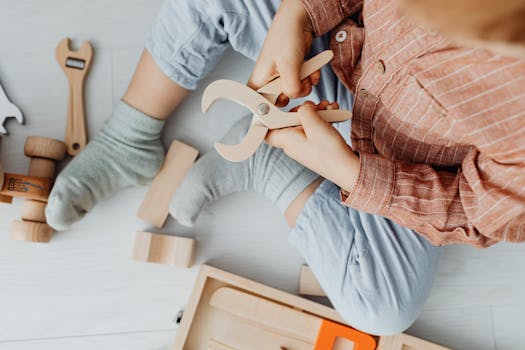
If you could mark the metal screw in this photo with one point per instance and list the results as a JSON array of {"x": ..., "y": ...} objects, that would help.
[
  {"x": 263, "y": 109},
  {"x": 178, "y": 318}
]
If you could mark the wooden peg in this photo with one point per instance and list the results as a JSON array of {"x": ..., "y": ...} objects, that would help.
[
  {"x": 308, "y": 284},
  {"x": 179, "y": 159},
  {"x": 164, "y": 249},
  {"x": 406, "y": 342},
  {"x": 30, "y": 231}
]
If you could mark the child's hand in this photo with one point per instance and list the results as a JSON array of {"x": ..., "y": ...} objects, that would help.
[
  {"x": 318, "y": 146},
  {"x": 287, "y": 42}
]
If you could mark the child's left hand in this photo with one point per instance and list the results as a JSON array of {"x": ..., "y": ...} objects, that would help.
[{"x": 318, "y": 146}]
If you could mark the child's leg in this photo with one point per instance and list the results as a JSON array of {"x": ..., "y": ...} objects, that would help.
[
  {"x": 184, "y": 44},
  {"x": 377, "y": 274}
]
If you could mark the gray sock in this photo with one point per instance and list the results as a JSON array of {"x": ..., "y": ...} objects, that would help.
[
  {"x": 269, "y": 171},
  {"x": 126, "y": 152}
]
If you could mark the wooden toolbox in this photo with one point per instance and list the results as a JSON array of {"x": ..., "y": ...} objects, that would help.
[{"x": 229, "y": 312}]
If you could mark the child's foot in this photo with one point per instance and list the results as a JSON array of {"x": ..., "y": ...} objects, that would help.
[
  {"x": 126, "y": 152},
  {"x": 269, "y": 171}
]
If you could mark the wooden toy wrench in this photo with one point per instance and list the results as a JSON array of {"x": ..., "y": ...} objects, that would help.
[
  {"x": 76, "y": 65},
  {"x": 266, "y": 116},
  {"x": 8, "y": 110}
]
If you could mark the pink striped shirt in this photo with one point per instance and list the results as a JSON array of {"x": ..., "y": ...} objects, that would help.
[{"x": 440, "y": 129}]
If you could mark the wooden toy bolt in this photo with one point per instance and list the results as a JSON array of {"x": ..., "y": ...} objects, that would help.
[{"x": 44, "y": 154}]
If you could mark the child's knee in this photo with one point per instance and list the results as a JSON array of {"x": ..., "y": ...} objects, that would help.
[{"x": 378, "y": 318}]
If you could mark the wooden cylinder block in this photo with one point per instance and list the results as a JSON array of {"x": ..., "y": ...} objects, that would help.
[
  {"x": 34, "y": 211},
  {"x": 43, "y": 147},
  {"x": 31, "y": 231},
  {"x": 42, "y": 167}
]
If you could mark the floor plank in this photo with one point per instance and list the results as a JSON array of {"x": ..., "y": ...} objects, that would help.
[
  {"x": 36, "y": 26},
  {"x": 468, "y": 328},
  {"x": 156, "y": 340},
  {"x": 84, "y": 282},
  {"x": 508, "y": 322}
]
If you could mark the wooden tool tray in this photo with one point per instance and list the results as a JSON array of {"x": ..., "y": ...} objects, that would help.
[
  {"x": 202, "y": 322},
  {"x": 205, "y": 327}
]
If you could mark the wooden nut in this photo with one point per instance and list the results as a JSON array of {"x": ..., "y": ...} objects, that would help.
[
  {"x": 42, "y": 167},
  {"x": 164, "y": 249},
  {"x": 31, "y": 231},
  {"x": 34, "y": 211},
  {"x": 43, "y": 147}
]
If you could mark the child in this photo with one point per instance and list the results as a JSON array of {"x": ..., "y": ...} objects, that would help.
[
  {"x": 440, "y": 138},
  {"x": 377, "y": 273}
]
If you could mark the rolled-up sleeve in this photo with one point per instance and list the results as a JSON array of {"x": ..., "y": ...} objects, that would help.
[{"x": 443, "y": 206}]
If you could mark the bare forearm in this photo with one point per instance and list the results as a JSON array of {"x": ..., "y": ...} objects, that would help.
[{"x": 151, "y": 91}]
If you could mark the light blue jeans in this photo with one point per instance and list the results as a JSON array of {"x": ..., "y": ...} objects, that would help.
[{"x": 376, "y": 273}]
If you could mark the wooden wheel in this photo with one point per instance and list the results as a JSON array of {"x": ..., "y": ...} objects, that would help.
[
  {"x": 43, "y": 147},
  {"x": 31, "y": 231}
]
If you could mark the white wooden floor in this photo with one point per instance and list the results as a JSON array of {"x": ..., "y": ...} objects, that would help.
[{"x": 82, "y": 291}]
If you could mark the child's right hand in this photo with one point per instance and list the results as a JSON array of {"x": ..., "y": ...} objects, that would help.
[{"x": 288, "y": 41}]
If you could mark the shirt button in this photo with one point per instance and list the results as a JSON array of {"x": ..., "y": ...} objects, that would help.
[
  {"x": 434, "y": 32},
  {"x": 340, "y": 36},
  {"x": 381, "y": 66},
  {"x": 364, "y": 92}
]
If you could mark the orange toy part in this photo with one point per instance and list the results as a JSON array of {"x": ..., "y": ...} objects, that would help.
[{"x": 329, "y": 332}]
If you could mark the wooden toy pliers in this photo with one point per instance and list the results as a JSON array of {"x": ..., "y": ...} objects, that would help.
[{"x": 266, "y": 116}]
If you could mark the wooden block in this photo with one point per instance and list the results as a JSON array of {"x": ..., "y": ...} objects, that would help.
[
  {"x": 42, "y": 167},
  {"x": 164, "y": 249},
  {"x": 43, "y": 147},
  {"x": 407, "y": 342},
  {"x": 179, "y": 159},
  {"x": 31, "y": 231},
  {"x": 34, "y": 211},
  {"x": 308, "y": 284}
]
